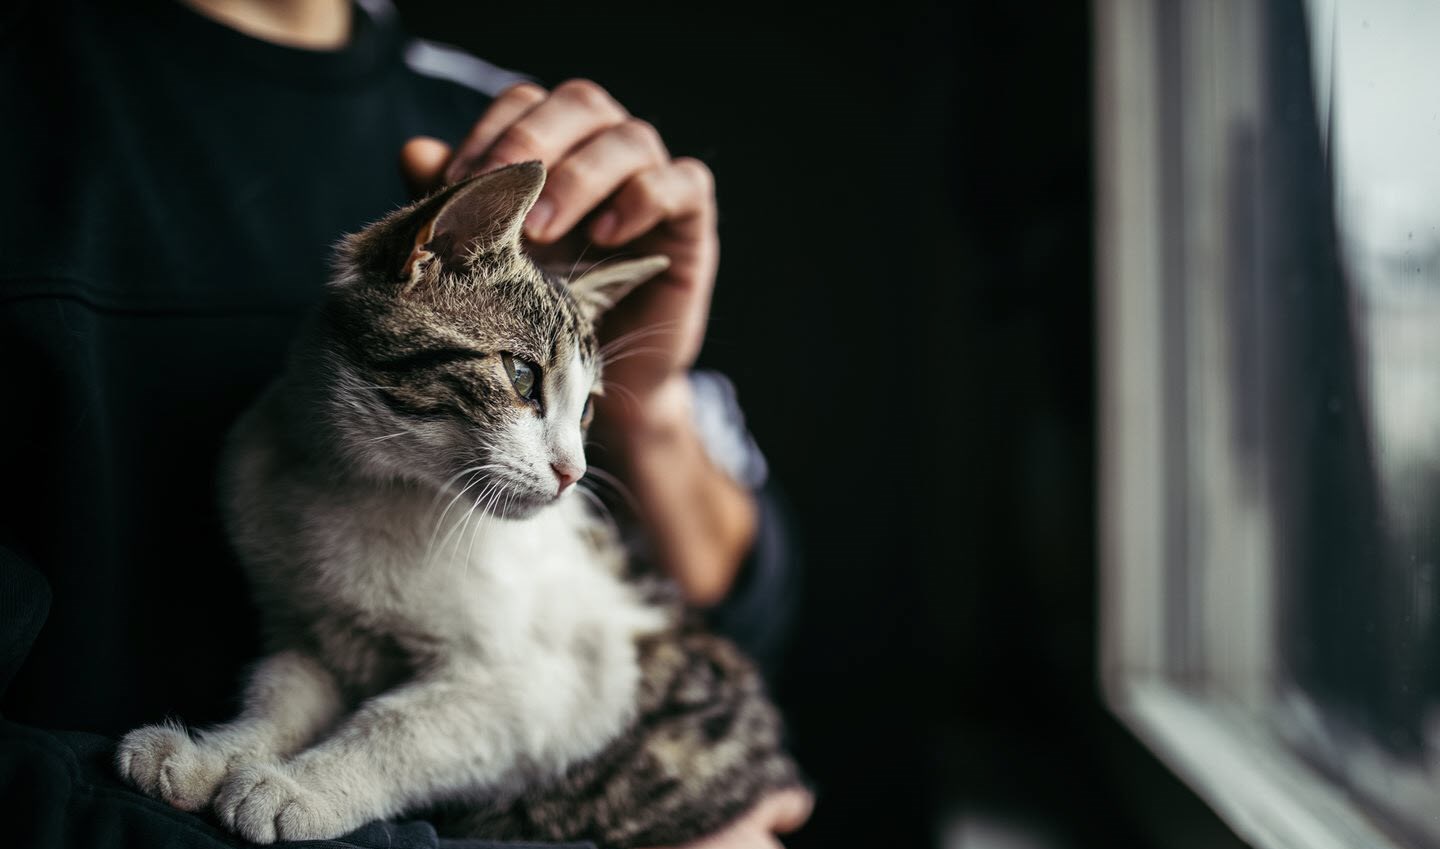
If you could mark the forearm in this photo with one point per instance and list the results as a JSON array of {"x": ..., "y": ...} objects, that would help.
[{"x": 699, "y": 521}]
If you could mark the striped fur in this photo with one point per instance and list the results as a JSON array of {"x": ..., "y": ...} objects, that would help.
[{"x": 450, "y": 627}]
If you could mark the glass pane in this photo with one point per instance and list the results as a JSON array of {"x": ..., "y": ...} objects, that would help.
[{"x": 1359, "y": 452}]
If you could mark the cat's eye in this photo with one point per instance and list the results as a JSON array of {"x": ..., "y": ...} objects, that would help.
[
  {"x": 587, "y": 414},
  {"x": 524, "y": 375}
]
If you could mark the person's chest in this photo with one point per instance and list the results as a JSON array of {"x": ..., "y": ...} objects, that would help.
[{"x": 155, "y": 184}]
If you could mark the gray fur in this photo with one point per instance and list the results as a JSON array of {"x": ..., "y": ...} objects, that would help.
[{"x": 450, "y": 628}]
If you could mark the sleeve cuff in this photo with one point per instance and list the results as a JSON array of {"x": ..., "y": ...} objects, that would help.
[
  {"x": 721, "y": 426},
  {"x": 759, "y": 611}
]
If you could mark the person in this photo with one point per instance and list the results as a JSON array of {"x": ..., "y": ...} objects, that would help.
[{"x": 177, "y": 173}]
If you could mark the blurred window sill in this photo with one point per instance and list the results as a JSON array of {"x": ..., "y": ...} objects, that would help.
[{"x": 1254, "y": 781}]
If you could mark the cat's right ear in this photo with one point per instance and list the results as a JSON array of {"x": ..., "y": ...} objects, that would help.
[{"x": 477, "y": 217}]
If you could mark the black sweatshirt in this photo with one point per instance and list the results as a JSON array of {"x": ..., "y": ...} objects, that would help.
[{"x": 171, "y": 195}]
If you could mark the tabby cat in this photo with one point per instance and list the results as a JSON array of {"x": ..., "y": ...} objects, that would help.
[{"x": 450, "y": 628}]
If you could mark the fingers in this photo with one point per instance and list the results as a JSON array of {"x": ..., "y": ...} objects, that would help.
[
  {"x": 580, "y": 181},
  {"x": 779, "y": 813},
  {"x": 524, "y": 128},
  {"x": 681, "y": 189},
  {"x": 598, "y": 158},
  {"x": 785, "y": 811},
  {"x": 421, "y": 161},
  {"x": 735, "y": 837},
  {"x": 512, "y": 105}
]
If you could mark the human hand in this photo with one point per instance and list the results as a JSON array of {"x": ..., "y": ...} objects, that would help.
[
  {"x": 611, "y": 182},
  {"x": 778, "y": 813}
]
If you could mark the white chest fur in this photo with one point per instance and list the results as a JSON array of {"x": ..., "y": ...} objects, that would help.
[
  {"x": 526, "y": 613},
  {"x": 525, "y": 608},
  {"x": 523, "y": 616}
]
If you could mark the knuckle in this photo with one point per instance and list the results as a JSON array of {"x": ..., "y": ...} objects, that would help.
[
  {"x": 524, "y": 92},
  {"x": 643, "y": 133},
  {"x": 576, "y": 175},
  {"x": 519, "y": 143},
  {"x": 697, "y": 173},
  {"x": 649, "y": 189},
  {"x": 587, "y": 94}
]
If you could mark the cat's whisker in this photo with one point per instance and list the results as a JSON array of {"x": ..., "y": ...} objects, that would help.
[
  {"x": 626, "y": 392},
  {"x": 581, "y": 258},
  {"x": 656, "y": 331},
  {"x": 485, "y": 518},
  {"x": 616, "y": 484},
  {"x": 601, "y": 508},
  {"x": 440, "y": 522},
  {"x": 653, "y": 327},
  {"x": 631, "y": 352},
  {"x": 459, "y": 530},
  {"x": 465, "y": 525},
  {"x": 387, "y": 436},
  {"x": 445, "y": 487},
  {"x": 601, "y": 264},
  {"x": 485, "y": 514},
  {"x": 478, "y": 475},
  {"x": 661, "y": 328}
]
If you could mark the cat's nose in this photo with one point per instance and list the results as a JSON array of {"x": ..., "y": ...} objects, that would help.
[{"x": 566, "y": 474}]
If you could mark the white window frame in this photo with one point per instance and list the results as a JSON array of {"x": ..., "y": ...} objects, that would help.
[{"x": 1188, "y": 680}]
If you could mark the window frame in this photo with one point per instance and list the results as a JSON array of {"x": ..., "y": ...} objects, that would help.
[{"x": 1164, "y": 658}]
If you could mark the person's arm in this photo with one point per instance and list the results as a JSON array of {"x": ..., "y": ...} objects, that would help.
[{"x": 700, "y": 521}]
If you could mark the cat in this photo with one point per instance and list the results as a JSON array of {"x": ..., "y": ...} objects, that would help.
[{"x": 450, "y": 629}]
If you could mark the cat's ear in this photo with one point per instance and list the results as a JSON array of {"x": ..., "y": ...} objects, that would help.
[
  {"x": 482, "y": 215},
  {"x": 598, "y": 289}
]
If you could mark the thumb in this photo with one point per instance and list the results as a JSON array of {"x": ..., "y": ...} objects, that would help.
[
  {"x": 422, "y": 162},
  {"x": 785, "y": 811}
]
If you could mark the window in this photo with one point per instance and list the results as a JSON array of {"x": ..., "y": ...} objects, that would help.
[{"x": 1269, "y": 323}]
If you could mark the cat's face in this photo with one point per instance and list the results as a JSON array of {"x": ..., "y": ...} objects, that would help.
[{"x": 455, "y": 361}]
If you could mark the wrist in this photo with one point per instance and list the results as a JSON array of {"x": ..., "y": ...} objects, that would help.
[
  {"x": 663, "y": 414},
  {"x": 701, "y": 519}
]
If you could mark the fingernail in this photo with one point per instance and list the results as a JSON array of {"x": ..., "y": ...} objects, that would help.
[
  {"x": 605, "y": 226},
  {"x": 539, "y": 216}
]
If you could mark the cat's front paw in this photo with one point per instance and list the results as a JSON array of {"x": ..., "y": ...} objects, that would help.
[
  {"x": 165, "y": 763},
  {"x": 263, "y": 802}
]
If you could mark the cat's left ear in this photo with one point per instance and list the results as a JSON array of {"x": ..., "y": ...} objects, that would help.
[
  {"x": 482, "y": 215},
  {"x": 598, "y": 289}
]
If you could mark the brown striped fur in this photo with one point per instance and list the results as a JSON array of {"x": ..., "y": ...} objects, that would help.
[
  {"x": 706, "y": 743},
  {"x": 524, "y": 683}
]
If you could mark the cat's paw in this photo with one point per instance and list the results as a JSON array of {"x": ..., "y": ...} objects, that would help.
[
  {"x": 263, "y": 802},
  {"x": 165, "y": 763}
]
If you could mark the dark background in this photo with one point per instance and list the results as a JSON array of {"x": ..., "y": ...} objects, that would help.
[{"x": 905, "y": 302}]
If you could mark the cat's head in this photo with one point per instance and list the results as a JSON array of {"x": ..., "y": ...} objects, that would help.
[{"x": 450, "y": 358}]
